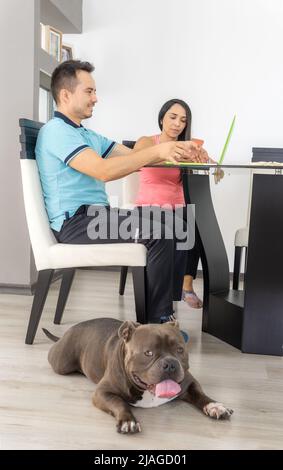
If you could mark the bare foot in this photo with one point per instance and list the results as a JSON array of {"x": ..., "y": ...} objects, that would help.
[{"x": 191, "y": 298}]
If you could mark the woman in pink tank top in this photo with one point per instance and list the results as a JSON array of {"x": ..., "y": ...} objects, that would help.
[{"x": 163, "y": 186}]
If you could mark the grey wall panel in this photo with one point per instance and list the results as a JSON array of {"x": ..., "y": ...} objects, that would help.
[
  {"x": 65, "y": 15},
  {"x": 18, "y": 29},
  {"x": 19, "y": 94},
  {"x": 47, "y": 63}
]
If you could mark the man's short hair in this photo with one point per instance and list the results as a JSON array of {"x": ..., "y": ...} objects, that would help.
[{"x": 65, "y": 76}]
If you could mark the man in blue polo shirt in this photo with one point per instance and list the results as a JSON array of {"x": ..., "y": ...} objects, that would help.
[
  {"x": 65, "y": 189},
  {"x": 74, "y": 165}
]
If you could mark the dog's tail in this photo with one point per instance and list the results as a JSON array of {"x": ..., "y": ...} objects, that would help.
[{"x": 50, "y": 335}]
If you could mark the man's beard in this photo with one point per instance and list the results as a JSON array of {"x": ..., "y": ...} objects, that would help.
[{"x": 85, "y": 113}]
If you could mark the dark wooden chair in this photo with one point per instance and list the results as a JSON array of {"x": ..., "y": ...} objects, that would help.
[{"x": 260, "y": 154}]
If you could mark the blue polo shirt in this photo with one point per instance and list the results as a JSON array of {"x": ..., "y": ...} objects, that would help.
[{"x": 65, "y": 189}]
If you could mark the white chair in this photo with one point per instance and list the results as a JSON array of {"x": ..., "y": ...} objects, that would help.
[{"x": 50, "y": 255}]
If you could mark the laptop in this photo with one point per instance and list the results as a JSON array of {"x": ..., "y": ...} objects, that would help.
[{"x": 223, "y": 153}]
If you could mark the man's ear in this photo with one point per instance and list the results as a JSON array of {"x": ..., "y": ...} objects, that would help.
[{"x": 126, "y": 330}]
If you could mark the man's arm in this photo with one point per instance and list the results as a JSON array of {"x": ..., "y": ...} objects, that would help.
[
  {"x": 109, "y": 169},
  {"x": 127, "y": 161},
  {"x": 120, "y": 150}
]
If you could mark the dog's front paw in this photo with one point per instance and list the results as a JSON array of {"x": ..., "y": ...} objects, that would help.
[
  {"x": 128, "y": 427},
  {"x": 217, "y": 411}
]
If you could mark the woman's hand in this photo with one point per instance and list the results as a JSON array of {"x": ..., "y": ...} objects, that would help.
[
  {"x": 218, "y": 172},
  {"x": 218, "y": 175},
  {"x": 186, "y": 151},
  {"x": 200, "y": 155}
]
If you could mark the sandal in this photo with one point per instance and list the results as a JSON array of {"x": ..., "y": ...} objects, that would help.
[{"x": 191, "y": 298}]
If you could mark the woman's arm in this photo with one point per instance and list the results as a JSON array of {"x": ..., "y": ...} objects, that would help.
[{"x": 143, "y": 142}]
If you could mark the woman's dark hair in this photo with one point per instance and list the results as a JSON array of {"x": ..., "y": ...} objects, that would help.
[
  {"x": 186, "y": 133},
  {"x": 65, "y": 76}
]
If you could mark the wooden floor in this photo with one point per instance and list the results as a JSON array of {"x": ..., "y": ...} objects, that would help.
[{"x": 42, "y": 410}]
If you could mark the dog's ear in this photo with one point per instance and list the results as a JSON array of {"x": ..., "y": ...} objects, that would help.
[
  {"x": 126, "y": 330},
  {"x": 174, "y": 323}
]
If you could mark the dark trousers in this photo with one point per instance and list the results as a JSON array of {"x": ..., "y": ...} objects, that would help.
[
  {"x": 166, "y": 265},
  {"x": 193, "y": 255}
]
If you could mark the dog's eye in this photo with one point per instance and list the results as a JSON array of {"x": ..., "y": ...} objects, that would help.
[
  {"x": 148, "y": 353},
  {"x": 180, "y": 350}
]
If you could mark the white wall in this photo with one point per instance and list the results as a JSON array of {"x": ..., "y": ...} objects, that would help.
[{"x": 221, "y": 56}]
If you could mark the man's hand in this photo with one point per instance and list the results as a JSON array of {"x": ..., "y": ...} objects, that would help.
[
  {"x": 195, "y": 154},
  {"x": 181, "y": 151}
]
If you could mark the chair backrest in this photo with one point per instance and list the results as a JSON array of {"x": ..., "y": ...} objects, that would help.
[
  {"x": 40, "y": 233},
  {"x": 130, "y": 183},
  {"x": 265, "y": 154},
  {"x": 28, "y": 137},
  {"x": 129, "y": 143},
  {"x": 262, "y": 154}
]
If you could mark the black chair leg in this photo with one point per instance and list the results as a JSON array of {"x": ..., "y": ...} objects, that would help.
[
  {"x": 237, "y": 266},
  {"x": 66, "y": 284},
  {"x": 41, "y": 291},
  {"x": 246, "y": 261},
  {"x": 139, "y": 282},
  {"x": 123, "y": 278}
]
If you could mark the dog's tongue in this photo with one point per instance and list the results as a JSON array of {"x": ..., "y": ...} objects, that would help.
[{"x": 167, "y": 389}]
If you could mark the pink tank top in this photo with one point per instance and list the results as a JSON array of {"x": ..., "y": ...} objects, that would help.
[{"x": 160, "y": 186}]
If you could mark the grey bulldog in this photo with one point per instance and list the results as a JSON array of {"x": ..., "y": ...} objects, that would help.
[{"x": 133, "y": 365}]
